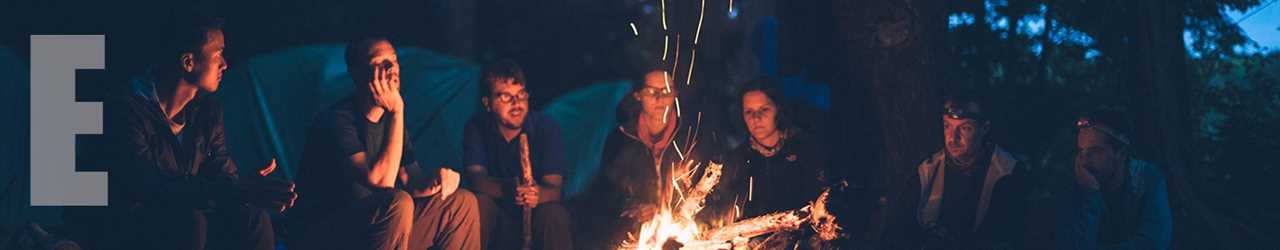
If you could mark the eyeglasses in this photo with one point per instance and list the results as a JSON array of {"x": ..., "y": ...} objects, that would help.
[
  {"x": 511, "y": 99},
  {"x": 960, "y": 113},
  {"x": 657, "y": 92},
  {"x": 1085, "y": 122}
]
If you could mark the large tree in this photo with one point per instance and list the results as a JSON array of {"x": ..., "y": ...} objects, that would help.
[{"x": 893, "y": 58}]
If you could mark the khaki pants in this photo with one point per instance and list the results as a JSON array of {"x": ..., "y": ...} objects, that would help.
[{"x": 391, "y": 220}]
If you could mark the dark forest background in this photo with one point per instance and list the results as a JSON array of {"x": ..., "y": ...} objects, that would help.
[{"x": 869, "y": 74}]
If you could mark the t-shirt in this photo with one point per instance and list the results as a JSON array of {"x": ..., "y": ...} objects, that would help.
[
  {"x": 323, "y": 182},
  {"x": 961, "y": 193},
  {"x": 483, "y": 144}
]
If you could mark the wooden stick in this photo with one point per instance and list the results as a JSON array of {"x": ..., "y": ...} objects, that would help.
[{"x": 526, "y": 179}]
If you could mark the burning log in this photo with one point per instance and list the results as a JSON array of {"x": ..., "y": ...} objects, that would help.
[
  {"x": 815, "y": 214},
  {"x": 822, "y": 221},
  {"x": 673, "y": 228},
  {"x": 774, "y": 222},
  {"x": 695, "y": 199}
]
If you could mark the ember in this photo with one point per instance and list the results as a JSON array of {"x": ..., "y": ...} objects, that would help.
[{"x": 674, "y": 227}]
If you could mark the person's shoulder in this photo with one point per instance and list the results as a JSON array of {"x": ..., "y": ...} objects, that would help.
[
  {"x": 618, "y": 139},
  {"x": 1016, "y": 161},
  {"x": 805, "y": 138},
  {"x": 934, "y": 159},
  {"x": 1147, "y": 172},
  {"x": 739, "y": 154},
  {"x": 477, "y": 120},
  {"x": 335, "y": 115}
]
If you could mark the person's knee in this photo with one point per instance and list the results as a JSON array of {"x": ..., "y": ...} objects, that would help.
[
  {"x": 393, "y": 201},
  {"x": 464, "y": 200},
  {"x": 392, "y": 205},
  {"x": 260, "y": 222}
]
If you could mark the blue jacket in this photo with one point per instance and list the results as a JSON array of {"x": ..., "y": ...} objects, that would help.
[{"x": 1144, "y": 220}]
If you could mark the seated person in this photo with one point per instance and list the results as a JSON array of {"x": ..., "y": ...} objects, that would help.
[
  {"x": 175, "y": 185},
  {"x": 360, "y": 186},
  {"x": 491, "y": 152},
  {"x": 779, "y": 168},
  {"x": 1121, "y": 202},
  {"x": 637, "y": 158},
  {"x": 972, "y": 194}
]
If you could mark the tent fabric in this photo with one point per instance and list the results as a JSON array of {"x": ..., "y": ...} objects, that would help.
[
  {"x": 586, "y": 117},
  {"x": 271, "y": 100}
]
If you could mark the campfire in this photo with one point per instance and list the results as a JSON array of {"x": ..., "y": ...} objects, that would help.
[{"x": 673, "y": 226}]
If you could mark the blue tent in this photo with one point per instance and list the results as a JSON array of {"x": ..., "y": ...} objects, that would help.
[{"x": 271, "y": 99}]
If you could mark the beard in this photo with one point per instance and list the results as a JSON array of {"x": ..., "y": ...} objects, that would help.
[
  {"x": 510, "y": 125},
  {"x": 512, "y": 122}
]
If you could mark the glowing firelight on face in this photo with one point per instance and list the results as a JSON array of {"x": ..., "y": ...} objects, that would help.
[{"x": 678, "y": 198}]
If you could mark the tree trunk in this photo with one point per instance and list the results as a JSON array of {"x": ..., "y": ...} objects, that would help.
[
  {"x": 892, "y": 54},
  {"x": 1157, "y": 71}
]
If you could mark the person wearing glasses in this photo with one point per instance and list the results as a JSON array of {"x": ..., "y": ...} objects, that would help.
[
  {"x": 360, "y": 185},
  {"x": 970, "y": 195},
  {"x": 1123, "y": 201},
  {"x": 491, "y": 154},
  {"x": 636, "y": 162}
]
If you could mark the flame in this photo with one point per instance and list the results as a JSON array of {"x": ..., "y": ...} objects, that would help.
[
  {"x": 663, "y": 227},
  {"x": 675, "y": 217}
]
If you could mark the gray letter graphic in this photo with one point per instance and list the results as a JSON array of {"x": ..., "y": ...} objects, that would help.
[{"x": 56, "y": 118}]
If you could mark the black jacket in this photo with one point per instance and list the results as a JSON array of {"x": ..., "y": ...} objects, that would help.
[
  {"x": 790, "y": 179},
  {"x": 155, "y": 168}
]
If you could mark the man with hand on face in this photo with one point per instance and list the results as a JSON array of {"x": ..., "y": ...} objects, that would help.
[
  {"x": 175, "y": 180},
  {"x": 1122, "y": 201},
  {"x": 491, "y": 152},
  {"x": 970, "y": 195},
  {"x": 360, "y": 184}
]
